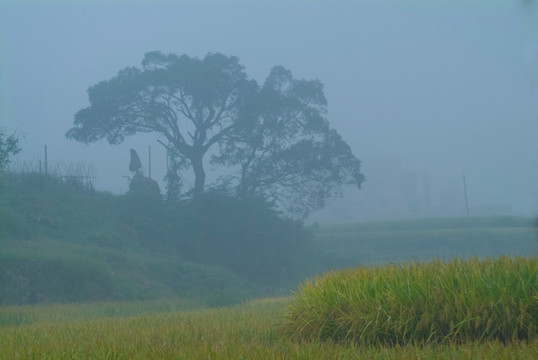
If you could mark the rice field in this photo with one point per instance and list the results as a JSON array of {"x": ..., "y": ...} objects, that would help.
[{"x": 259, "y": 329}]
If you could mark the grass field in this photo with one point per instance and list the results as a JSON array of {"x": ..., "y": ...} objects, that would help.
[
  {"x": 254, "y": 330},
  {"x": 351, "y": 244},
  {"x": 170, "y": 329}
]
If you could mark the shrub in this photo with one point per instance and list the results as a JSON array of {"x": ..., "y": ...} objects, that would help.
[
  {"x": 433, "y": 302},
  {"x": 245, "y": 235}
]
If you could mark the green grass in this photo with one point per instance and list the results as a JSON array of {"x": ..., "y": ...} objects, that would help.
[
  {"x": 428, "y": 224},
  {"x": 421, "y": 303},
  {"x": 344, "y": 245},
  {"x": 75, "y": 312},
  {"x": 253, "y": 330},
  {"x": 46, "y": 271},
  {"x": 60, "y": 244}
]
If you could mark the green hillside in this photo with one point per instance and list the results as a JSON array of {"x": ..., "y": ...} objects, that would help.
[
  {"x": 63, "y": 242},
  {"x": 59, "y": 242}
]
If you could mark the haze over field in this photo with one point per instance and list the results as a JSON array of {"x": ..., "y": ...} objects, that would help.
[{"x": 423, "y": 92}]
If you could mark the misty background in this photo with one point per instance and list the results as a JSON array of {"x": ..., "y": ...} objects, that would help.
[{"x": 423, "y": 92}]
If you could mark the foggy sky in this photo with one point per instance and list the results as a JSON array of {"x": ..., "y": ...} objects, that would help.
[{"x": 445, "y": 87}]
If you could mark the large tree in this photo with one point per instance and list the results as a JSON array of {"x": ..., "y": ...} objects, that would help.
[
  {"x": 276, "y": 135},
  {"x": 193, "y": 103}
]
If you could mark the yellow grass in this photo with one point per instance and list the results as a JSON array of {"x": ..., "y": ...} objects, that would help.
[
  {"x": 430, "y": 302},
  {"x": 254, "y": 330}
]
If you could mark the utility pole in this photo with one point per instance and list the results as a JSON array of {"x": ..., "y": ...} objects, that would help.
[{"x": 465, "y": 192}]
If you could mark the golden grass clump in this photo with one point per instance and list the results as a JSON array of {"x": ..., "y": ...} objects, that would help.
[{"x": 421, "y": 303}]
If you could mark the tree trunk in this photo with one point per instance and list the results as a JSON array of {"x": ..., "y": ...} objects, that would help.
[{"x": 199, "y": 176}]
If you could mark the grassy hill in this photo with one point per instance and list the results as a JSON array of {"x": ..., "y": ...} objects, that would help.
[{"x": 63, "y": 242}]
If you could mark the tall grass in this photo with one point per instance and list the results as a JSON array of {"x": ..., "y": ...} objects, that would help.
[
  {"x": 254, "y": 330},
  {"x": 432, "y": 302},
  {"x": 74, "y": 176}
]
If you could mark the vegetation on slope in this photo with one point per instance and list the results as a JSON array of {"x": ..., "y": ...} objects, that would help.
[
  {"x": 63, "y": 242},
  {"x": 60, "y": 241}
]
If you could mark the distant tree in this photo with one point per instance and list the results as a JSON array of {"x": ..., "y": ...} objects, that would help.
[
  {"x": 276, "y": 135},
  {"x": 9, "y": 146}
]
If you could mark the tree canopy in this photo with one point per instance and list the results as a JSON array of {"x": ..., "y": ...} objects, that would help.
[{"x": 275, "y": 136}]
